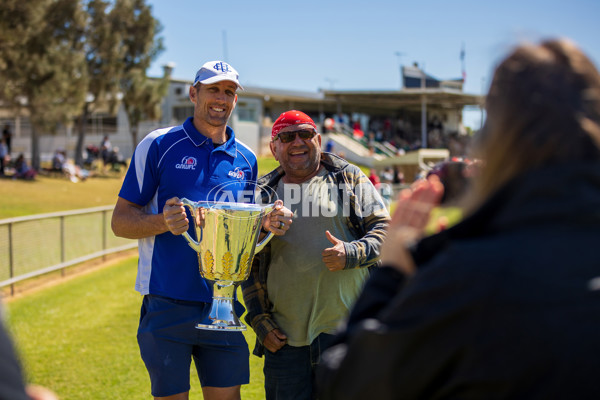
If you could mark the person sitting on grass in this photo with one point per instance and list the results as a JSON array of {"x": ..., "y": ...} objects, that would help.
[{"x": 23, "y": 170}]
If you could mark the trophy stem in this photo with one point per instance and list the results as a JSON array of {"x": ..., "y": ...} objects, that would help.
[{"x": 222, "y": 313}]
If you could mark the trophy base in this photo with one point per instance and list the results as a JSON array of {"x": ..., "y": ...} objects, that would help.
[
  {"x": 220, "y": 327},
  {"x": 221, "y": 317}
]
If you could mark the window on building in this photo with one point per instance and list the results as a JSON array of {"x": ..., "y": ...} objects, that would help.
[
  {"x": 101, "y": 124},
  {"x": 180, "y": 113},
  {"x": 246, "y": 112}
]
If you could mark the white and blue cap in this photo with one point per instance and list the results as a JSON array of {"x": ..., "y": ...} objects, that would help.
[{"x": 216, "y": 71}]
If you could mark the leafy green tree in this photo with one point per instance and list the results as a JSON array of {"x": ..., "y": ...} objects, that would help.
[
  {"x": 142, "y": 99},
  {"x": 103, "y": 56},
  {"x": 65, "y": 58},
  {"x": 141, "y": 95},
  {"x": 43, "y": 62},
  {"x": 121, "y": 41}
]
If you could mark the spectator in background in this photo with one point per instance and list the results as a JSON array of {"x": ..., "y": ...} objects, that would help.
[
  {"x": 387, "y": 175},
  {"x": 358, "y": 134},
  {"x": 3, "y": 156},
  {"x": 398, "y": 176},
  {"x": 385, "y": 187},
  {"x": 505, "y": 304},
  {"x": 329, "y": 125},
  {"x": 23, "y": 170},
  {"x": 387, "y": 129},
  {"x": 7, "y": 136},
  {"x": 371, "y": 139},
  {"x": 116, "y": 159},
  {"x": 58, "y": 159},
  {"x": 92, "y": 153},
  {"x": 357, "y": 131},
  {"x": 374, "y": 178},
  {"x": 73, "y": 172},
  {"x": 329, "y": 146},
  {"x": 105, "y": 148}
]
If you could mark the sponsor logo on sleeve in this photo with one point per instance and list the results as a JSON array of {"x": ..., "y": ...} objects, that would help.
[{"x": 236, "y": 173}]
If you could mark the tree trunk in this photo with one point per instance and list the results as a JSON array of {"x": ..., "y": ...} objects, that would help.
[
  {"x": 81, "y": 135},
  {"x": 35, "y": 149},
  {"x": 134, "y": 132}
]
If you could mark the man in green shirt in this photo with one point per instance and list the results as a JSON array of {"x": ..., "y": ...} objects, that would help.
[{"x": 303, "y": 283}]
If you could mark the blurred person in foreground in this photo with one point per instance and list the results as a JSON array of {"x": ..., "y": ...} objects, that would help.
[
  {"x": 302, "y": 284},
  {"x": 506, "y": 303},
  {"x": 12, "y": 386},
  {"x": 199, "y": 160}
]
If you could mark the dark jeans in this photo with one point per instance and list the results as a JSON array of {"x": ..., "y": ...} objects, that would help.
[{"x": 290, "y": 372}]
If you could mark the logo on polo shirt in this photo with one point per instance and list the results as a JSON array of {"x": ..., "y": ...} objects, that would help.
[
  {"x": 187, "y": 163},
  {"x": 236, "y": 173}
]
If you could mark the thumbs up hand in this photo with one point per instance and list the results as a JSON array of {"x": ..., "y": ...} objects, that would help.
[{"x": 334, "y": 257}]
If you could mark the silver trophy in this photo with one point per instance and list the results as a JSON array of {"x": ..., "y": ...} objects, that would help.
[{"x": 225, "y": 244}]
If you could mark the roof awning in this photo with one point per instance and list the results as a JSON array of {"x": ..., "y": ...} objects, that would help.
[{"x": 407, "y": 98}]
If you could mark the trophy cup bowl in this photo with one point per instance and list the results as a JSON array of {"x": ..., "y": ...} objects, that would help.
[{"x": 226, "y": 244}]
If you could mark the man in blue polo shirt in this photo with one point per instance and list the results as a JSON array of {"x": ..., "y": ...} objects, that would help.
[{"x": 199, "y": 160}]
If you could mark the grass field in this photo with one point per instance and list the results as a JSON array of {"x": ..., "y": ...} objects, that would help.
[{"x": 46, "y": 194}]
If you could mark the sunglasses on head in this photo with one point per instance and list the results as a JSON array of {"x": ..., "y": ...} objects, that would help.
[{"x": 288, "y": 137}]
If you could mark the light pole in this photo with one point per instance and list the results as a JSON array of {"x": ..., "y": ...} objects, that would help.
[
  {"x": 399, "y": 54},
  {"x": 225, "y": 55},
  {"x": 423, "y": 107}
]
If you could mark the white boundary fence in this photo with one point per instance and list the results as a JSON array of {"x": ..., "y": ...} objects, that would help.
[{"x": 37, "y": 244}]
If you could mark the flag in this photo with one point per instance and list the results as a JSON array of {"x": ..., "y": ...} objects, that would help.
[{"x": 462, "y": 61}]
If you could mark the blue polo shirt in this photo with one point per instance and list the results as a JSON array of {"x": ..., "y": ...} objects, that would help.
[{"x": 181, "y": 162}]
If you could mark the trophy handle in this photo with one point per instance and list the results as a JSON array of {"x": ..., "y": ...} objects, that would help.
[
  {"x": 263, "y": 243},
  {"x": 193, "y": 243}
]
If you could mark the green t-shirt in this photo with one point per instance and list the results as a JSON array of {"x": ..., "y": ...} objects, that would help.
[{"x": 307, "y": 298}]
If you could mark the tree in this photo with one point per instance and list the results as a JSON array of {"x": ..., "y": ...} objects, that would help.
[
  {"x": 54, "y": 55},
  {"x": 103, "y": 55},
  {"x": 43, "y": 62},
  {"x": 142, "y": 100},
  {"x": 141, "y": 96},
  {"x": 120, "y": 44}
]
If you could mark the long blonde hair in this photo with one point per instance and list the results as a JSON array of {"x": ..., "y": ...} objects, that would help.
[{"x": 543, "y": 108}]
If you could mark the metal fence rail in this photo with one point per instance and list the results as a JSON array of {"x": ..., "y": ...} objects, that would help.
[{"x": 37, "y": 244}]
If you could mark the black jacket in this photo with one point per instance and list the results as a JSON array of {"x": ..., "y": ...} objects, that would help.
[
  {"x": 505, "y": 305},
  {"x": 11, "y": 377}
]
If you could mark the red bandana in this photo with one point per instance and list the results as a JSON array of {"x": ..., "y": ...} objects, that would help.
[{"x": 289, "y": 118}]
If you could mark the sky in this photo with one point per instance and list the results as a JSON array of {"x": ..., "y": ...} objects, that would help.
[{"x": 342, "y": 45}]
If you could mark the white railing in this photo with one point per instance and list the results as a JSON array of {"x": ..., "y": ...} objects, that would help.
[{"x": 37, "y": 244}]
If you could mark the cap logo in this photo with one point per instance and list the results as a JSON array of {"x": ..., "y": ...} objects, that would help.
[{"x": 221, "y": 66}]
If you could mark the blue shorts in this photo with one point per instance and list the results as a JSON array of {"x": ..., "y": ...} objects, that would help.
[{"x": 168, "y": 340}]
